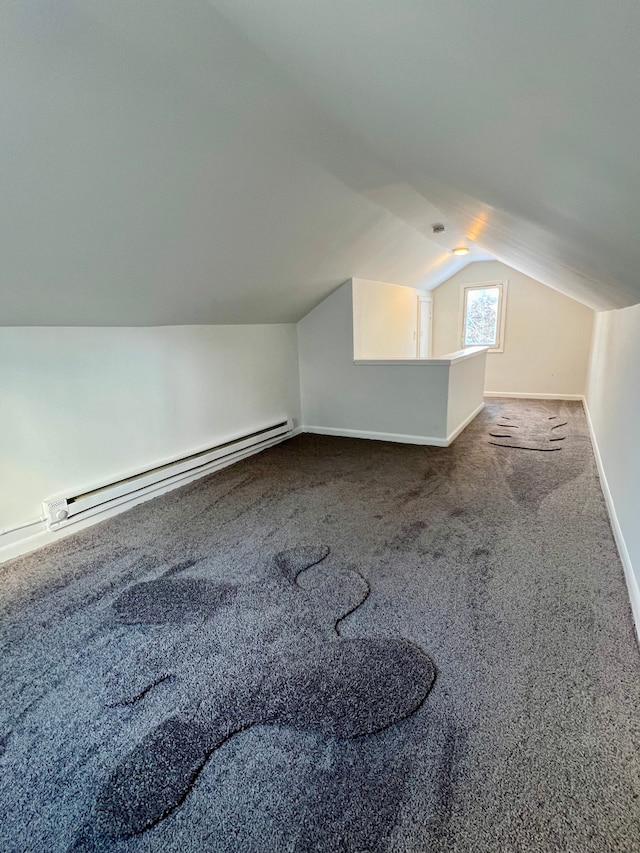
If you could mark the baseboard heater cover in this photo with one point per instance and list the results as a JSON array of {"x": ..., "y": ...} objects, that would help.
[{"x": 62, "y": 510}]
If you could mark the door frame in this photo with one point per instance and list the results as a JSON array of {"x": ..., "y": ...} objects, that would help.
[{"x": 421, "y": 300}]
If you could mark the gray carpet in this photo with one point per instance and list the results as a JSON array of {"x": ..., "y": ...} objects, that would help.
[{"x": 337, "y": 645}]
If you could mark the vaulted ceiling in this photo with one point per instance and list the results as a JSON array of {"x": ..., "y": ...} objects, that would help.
[{"x": 232, "y": 161}]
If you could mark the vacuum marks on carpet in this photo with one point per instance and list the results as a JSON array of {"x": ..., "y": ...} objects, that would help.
[
  {"x": 300, "y": 673},
  {"x": 541, "y": 433}
]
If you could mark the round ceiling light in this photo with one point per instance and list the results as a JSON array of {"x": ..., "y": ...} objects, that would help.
[{"x": 460, "y": 250}]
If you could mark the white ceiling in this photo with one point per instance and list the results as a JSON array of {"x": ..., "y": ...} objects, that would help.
[
  {"x": 165, "y": 162},
  {"x": 520, "y": 119}
]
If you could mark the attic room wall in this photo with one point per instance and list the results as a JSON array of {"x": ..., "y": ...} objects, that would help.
[
  {"x": 547, "y": 334},
  {"x": 613, "y": 404},
  {"x": 401, "y": 400},
  {"x": 82, "y": 406},
  {"x": 343, "y": 398},
  {"x": 384, "y": 319}
]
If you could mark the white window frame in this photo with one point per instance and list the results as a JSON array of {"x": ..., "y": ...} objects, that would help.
[{"x": 502, "y": 310}]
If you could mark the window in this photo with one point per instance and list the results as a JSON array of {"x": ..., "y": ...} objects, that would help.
[{"x": 483, "y": 314}]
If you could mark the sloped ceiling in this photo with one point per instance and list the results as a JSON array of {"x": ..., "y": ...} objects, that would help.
[
  {"x": 520, "y": 120},
  {"x": 233, "y": 161},
  {"x": 156, "y": 168}
]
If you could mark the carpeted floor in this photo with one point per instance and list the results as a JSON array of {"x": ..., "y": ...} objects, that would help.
[{"x": 336, "y": 645}]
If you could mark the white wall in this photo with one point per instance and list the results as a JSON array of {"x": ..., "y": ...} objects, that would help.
[
  {"x": 401, "y": 401},
  {"x": 466, "y": 384},
  {"x": 338, "y": 394},
  {"x": 547, "y": 334},
  {"x": 385, "y": 319},
  {"x": 613, "y": 402},
  {"x": 81, "y": 406}
]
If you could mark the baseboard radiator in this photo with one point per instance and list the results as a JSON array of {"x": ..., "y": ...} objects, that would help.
[{"x": 63, "y": 510}]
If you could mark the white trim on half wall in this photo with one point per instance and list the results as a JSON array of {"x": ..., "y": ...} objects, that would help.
[{"x": 533, "y": 395}]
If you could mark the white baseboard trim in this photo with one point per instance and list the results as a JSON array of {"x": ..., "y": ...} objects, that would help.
[
  {"x": 44, "y": 536},
  {"x": 465, "y": 423},
  {"x": 630, "y": 575},
  {"x": 521, "y": 395},
  {"x": 397, "y": 437}
]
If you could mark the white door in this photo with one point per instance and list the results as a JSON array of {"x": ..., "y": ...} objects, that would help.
[{"x": 425, "y": 312}]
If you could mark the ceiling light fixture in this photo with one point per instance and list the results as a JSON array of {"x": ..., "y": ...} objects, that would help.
[{"x": 460, "y": 250}]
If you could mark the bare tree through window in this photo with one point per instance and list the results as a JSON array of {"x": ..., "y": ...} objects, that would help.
[{"x": 481, "y": 316}]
